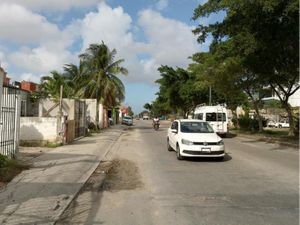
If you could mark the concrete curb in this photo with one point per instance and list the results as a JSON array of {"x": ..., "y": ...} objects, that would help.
[
  {"x": 91, "y": 171},
  {"x": 29, "y": 200}
]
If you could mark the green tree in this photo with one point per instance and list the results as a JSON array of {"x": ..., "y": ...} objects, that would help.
[
  {"x": 101, "y": 80},
  {"x": 130, "y": 112},
  {"x": 264, "y": 35},
  {"x": 148, "y": 106},
  {"x": 221, "y": 76},
  {"x": 178, "y": 91},
  {"x": 50, "y": 86},
  {"x": 76, "y": 75}
]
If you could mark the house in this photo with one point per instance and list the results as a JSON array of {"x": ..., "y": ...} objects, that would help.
[
  {"x": 294, "y": 100},
  {"x": 6, "y": 79}
]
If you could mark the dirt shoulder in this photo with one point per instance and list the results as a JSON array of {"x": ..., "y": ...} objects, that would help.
[{"x": 269, "y": 136}]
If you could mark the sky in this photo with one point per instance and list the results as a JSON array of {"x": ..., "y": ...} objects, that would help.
[{"x": 39, "y": 36}]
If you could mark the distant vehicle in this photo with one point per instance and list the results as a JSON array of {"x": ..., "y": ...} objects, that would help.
[
  {"x": 271, "y": 123},
  {"x": 156, "y": 123},
  {"x": 283, "y": 124},
  {"x": 145, "y": 117},
  {"x": 127, "y": 120},
  {"x": 216, "y": 116},
  {"x": 194, "y": 138}
]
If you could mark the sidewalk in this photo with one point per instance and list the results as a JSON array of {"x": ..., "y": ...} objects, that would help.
[{"x": 41, "y": 194}]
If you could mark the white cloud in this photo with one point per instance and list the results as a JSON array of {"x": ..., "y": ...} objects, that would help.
[
  {"x": 40, "y": 60},
  {"x": 168, "y": 41},
  {"x": 52, "y": 5},
  {"x": 171, "y": 42},
  {"x": 162, "y": 4},
  {"x": 20, "y": 25},
  {"x": 110, "y": 25},
  {"x": 30, "y": 77}
]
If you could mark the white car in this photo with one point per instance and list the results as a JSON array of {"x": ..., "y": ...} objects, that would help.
[
  {"x": 194, "y": 138},
  {"x": 283, "y": 124}
]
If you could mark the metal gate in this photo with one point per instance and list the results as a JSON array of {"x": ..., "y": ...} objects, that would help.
[
  {"x": 9, "y": 121},
  {"x": 80, "y": 119}
]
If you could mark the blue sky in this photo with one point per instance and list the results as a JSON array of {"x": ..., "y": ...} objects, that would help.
[{"x": 37, "y": 37}]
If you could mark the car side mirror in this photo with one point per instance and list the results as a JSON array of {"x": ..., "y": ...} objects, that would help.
[{"x": 174, "y": 131}]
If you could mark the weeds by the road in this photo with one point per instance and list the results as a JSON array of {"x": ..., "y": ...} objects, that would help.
[
  {"x": 271, "y": 136},
  {"x": 9, "y": 168}
]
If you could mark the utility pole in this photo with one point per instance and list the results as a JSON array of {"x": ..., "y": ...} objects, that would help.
[
  {"x": 60, "y": 100},
  {"x": 59, "y": 118}
]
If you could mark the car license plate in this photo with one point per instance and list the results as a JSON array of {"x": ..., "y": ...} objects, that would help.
[{"x": 207, "y": 150}]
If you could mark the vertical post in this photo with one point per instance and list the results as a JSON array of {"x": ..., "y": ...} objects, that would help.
[
  {"x": 17, "y": 123},
  {"x": 60, "y": 100},
  {"x": 1, "y": 120},
  {"x": 1, "y": 87},
  {"x": 59, "y": 119}
]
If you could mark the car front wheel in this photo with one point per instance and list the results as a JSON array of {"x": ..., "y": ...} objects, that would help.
[
  {"x": 168, "y": 145},
  {"x": 179, "y": 156}
]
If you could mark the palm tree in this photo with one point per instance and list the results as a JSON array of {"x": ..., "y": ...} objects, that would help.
[
  {"x": 50, "y": 86},
  {"x": 101, "y": 81},
  {"x": 75, "y": 77}
]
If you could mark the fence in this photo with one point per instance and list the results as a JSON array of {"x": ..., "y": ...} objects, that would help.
[
  {"x": 80, "y": 118},
  {"x": 9, "y": 121}
]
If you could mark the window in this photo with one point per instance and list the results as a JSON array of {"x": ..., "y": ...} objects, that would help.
[
  {"x": 199, "y": 116},
  {"x": 196, "y": 127},
  {"x": 213, "y": 117},
  {"x": 174, "y": 125}
]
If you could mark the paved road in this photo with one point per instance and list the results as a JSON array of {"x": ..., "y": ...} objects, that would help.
[{"x": 256, "y": 184}]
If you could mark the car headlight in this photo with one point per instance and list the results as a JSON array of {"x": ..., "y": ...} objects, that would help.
[
  {"x": 221, "y": 142},
  {"x": 186, "y": 142}
]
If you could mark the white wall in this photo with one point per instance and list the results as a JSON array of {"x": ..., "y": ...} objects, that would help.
[
  {"x": 91, "y": 109},
  {"x": 101, "y": 113},
  {"x": 38, "y": 129},
  {"x": 68, "y": 107},
  {"x": 295, "y": 99}
]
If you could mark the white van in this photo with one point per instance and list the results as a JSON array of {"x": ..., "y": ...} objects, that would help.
[{"x": 215, "y": 115}]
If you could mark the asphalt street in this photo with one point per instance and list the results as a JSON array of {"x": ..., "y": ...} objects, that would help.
[{"x": 256, "y": 184}]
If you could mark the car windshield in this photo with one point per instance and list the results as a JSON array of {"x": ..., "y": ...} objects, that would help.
[
  {"x": 196, "y": 127},
  {"x": 127, "y": 118}
]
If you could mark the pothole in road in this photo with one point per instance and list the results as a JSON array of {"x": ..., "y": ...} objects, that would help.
[{"x": 115, "y": 175}]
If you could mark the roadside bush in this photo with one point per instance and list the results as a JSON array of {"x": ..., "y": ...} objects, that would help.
[
  {"x": 3, "y": 160},
  {"x": 92, "y": 126},
  {"x": 9, "y": 168},
  {"x": 248, "y": 124},
  {"x": 235, "y": 122}
]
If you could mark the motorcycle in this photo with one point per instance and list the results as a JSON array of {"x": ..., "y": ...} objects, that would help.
[{"x": 156, "y": 125}]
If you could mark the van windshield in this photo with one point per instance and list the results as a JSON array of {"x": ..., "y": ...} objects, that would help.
[
  {"x": 195, "y": 127},
  {"x": 216, "y": 117}
]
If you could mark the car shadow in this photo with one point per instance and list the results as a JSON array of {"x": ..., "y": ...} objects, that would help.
[
  {"x": 226, "y": 158},
  {"x": 229, "y": 135}
]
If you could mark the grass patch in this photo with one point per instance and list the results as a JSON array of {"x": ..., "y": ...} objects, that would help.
[
  {"x": 9, "y": 168},
  {"x": 276, "y": 132},
  {"x": 46, "y": 144},
  {"x": 270, "y": 135}
]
